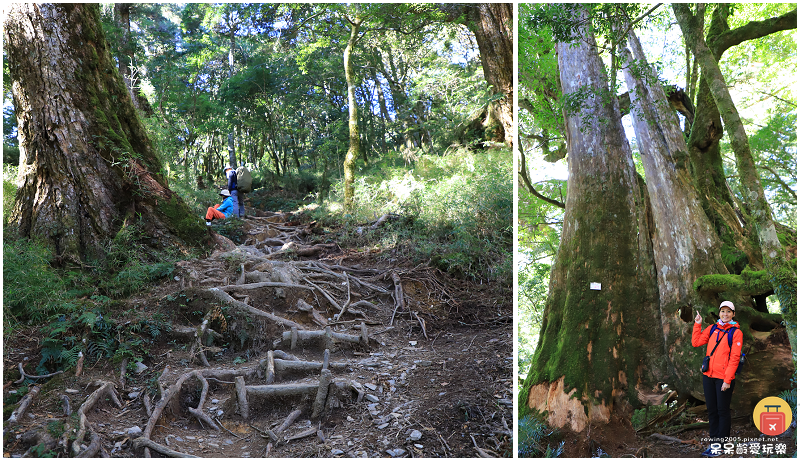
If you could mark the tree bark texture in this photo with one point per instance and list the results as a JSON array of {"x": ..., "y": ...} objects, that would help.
[
  {"x": 86, "y": 165},
  {"x": 598, "y": 349},
  {"x": 784, "y": 278},
  {"x": 493, "y": 26},
  {"x": 685, "y": 244},
  {"x": 354, "y": 150}
]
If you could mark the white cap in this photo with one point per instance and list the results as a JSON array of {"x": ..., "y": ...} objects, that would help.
[{"x": 727, "y": 304}]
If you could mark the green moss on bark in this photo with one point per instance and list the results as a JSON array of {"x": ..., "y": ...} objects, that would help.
[{"x": 748, "y": 283}]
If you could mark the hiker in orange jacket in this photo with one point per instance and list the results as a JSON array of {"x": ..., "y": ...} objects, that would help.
[
  {"x": 723, "y": 360},
  {"x": 221, "y": 211}
]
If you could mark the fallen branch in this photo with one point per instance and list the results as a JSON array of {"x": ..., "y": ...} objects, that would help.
[
  {"x": 241, "y": 395},
  {"x": 303, "y": 434},
  {"x": 19, "y": 413},
  {"x": 346, "y": 303},
  {"x": 322, "y": 394},
  {"x": 288, "y": 421},
  {"x": 399, "y": 301}
]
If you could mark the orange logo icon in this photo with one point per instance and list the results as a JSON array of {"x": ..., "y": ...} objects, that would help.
[{"x": 772, "y": 416}]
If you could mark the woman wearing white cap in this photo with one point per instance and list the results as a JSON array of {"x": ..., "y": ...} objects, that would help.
[{"x": 723, "y": 342}]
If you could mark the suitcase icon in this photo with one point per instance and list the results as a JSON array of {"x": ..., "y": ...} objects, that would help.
[{"x": 773, "y": 423}]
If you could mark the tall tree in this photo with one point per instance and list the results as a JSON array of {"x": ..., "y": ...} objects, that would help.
[
  {"x": 598, "y": 348},
  {"x": 87, "y": 166},
  {"x": 685, "y": 244},
  {"x": 493, "y": 26},
  {"x": 783, "y": 278},
  {"x": 355, "y": 20}
]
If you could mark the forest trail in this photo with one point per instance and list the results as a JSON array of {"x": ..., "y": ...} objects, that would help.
[{"x": 288, "y": 345}]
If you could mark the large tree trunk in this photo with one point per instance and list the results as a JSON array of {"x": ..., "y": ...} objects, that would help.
[
  {"x": 87, "y": 167},
  {"x": 685, "y": 244},
  {"x": 783, "y": 276},
  {"x": 493, "y": 24},
  {"x": 355, "y": 142},
  {"x": 600, "y": 350}
]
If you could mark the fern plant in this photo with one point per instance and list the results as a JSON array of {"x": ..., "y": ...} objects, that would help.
[{"x": 533, "y": 433}]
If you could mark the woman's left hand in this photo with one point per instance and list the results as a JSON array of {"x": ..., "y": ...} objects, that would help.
[{"x": 725, "y": 386}]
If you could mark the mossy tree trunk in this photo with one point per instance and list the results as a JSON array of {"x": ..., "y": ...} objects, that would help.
[
  {"x": 707, "y": 130},
  {"x": 685, "y": 244},
  {"x": 354, "y": 150},
  {"x": 598, "y": 349},
  {"x": 784, "y": 277},
  {"x": 493, "y": 26},
  {"x": 87, "y": 167}
]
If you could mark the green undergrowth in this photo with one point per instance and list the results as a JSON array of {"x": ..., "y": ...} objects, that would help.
[
  {"x": 453, "y": 211},
  {"x": 36, "y": 290},
  {"x": 537, "y": 440}
]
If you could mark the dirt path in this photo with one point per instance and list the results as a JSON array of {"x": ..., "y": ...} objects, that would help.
[{"x": 290, "y": 346}]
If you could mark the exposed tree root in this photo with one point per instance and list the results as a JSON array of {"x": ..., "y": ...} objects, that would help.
[
  {"x": 105, "y": 389},
  {"x": 148, "y": 444},
  {"x": 24, "y": 376}
]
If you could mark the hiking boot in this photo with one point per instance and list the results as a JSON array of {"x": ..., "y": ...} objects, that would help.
[{"x": 711, "y": 453}]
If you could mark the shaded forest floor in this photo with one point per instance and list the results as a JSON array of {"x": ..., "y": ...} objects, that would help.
[
  {"x": 619, "y": 440},
  {"x": 420, "y": 363}
]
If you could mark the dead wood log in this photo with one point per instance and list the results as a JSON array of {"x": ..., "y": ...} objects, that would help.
[
  {"x": 19, "y": 413},
  {"x": 226, "y": 298},
  {"x": 296, "y": 337},
  {"x": 106, "y": 388},
  {"x": 288, "y": 421},
  {"x": 295, "y": 366},
  {"x": 322, "y": 394},
  {"x": 270, "y": 367},
  {"x": 283, "y": 355},
  {"x": 383, "y": 219},
  {"x": 347, "y": 302},
  {"x": 326, "y": 358},
  {"x": 143, "y": 442},
  {"x": 302, "y": 435},
  {"x": 399, "y": 299},
  {"x": 281, "y": 390},
  {"x": 241, "y": 394}
]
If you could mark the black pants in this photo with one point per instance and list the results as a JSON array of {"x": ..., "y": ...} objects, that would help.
[{"x": 718, "y": 403}]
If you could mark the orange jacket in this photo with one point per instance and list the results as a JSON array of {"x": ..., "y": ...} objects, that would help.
[{"x": 722, "y": 365}]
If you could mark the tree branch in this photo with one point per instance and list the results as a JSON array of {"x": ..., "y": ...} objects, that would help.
[
  {"x": 753, "y": 30},
  {"x": 523, "y": 172}
]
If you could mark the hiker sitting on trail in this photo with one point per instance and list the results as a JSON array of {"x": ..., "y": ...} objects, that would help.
[
  {"x": 233, "y": 187},
  {"x": 723, "y": 342},
  {"x": 225, "y": 210}
]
